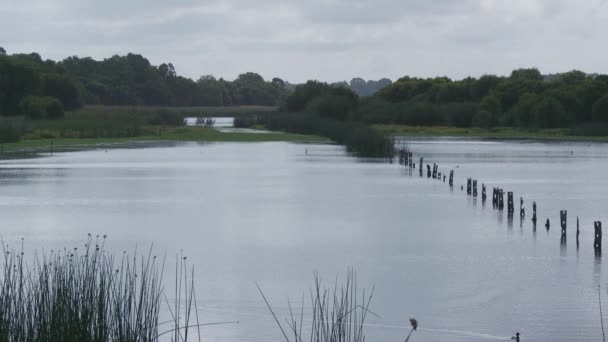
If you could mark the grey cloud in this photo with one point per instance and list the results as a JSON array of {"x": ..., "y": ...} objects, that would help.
[{"x": 324, "y": 39}]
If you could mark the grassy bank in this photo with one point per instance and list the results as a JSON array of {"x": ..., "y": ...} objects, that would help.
[
  {"x": 156, "y": 133},
  {"x": 98, "y": 125},
  {"x": 505, "y": 133}
]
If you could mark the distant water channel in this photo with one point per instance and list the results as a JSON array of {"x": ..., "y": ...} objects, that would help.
[{"x": 273, "y": 213}]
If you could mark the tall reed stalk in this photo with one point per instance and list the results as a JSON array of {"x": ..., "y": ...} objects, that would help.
[
  {"x": 89, "y": 295},
  {"x": 338, "y": 314}
]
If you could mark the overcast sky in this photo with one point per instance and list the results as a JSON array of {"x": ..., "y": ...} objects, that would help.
[{"x": 328, "y": 40}]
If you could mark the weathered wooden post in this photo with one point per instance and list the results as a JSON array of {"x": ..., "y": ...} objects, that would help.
[
  {"x": 597, "y": 244},
  {"x": 501, "y": 199},
  {"x": 483, "y": 193},
  {"x": 444, "y": 178},
  {"x": 510, "y": 204},
  {"x": 469, "y": 186},
  {"x": 522, "y": 210},
  {"x": 421, "y": 163},
  {"x": 411, "y": 159},
  {"x": 435, "y": 166},
  {"x": 578, "y": 231},
  {"x": 451, "y": 178},
  {"x": 548, "y": 224},
  {"x": 428, "y": 171},
  {"x": 534, "y": 213},
  {"x": 563, "y": 218},
  {"x": 475, "y": 188}
]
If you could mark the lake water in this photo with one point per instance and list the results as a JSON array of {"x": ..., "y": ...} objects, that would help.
[{"x": 273, "y": 213}]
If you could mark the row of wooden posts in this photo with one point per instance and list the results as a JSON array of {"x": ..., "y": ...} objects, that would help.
[{"x": 498, "y": 194}]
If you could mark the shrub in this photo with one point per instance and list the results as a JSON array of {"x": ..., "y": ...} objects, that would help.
[
  {"x": 36, "y": 107},
  {"x": 54, "y": 109},
  {"x": 33, "y": 107}
]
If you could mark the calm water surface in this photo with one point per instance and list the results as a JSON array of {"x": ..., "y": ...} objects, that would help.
[{"x": 272, "y": 214}]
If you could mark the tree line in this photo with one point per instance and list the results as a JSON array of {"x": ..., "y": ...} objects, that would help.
[
  {"x": 120, "y": 80},
  {"x": 525, "y": 98}
]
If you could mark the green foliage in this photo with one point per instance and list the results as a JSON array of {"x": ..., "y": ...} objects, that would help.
[
  {"x": 600, "y": 110},
  {"x": 482, "y": 119},
  {"x": 11, "y": 130},
  {"x": 336, "y": 107},
  {"x": 358, "y": 138},
  {"x": 525, "y": 99},
  {"x": 36, "y": 108},
  {"x": 548, "y": 113},
  {"x": 54, "y": 109}
]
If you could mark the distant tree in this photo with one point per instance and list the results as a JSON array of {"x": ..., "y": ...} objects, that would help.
[
  {"x": 62, "y": 88},
  {"x": 336, "y": 107},
  {"x": 492, "y": 105},
  {"x": 548, "y": 113},
  {"x": 2, "y": 51},
  {"x": 574, "y": 76},
  {"x": 54, "y": 109},
  {"x": 600, "y": 110},
  {"x": 167, "y": 70},
  {"x": 33, "y": 107},
  {"x": 482, "y": 119},
  {"x": 531, "y": 74},
  {"x": 278, "y": 83}
]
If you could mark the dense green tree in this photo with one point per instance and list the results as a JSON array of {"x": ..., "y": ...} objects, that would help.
[
  {"x": 531, "y": 74},
  {"x": 600, "y": 110},
  {"x": 482, "y": 119},
  {"x": 548, "y": 113},
  {"x": 2, "y": 51},
  {"x": 62, "y": 88}
]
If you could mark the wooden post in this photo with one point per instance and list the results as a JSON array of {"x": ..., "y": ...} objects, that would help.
[
  {"x": 510, "y": 204},
  {"x": 411, "y": 159},
  {"x": 475, "y": 188},
  {"x": 451, "y": 178},
  {"x": 548, "y": 224},
  {"x": 421, "y": 163},
  {"x": 483, "y": 193},
  {"x": 435, "y": 166},
  {"x": 428, "y": 171},
  {"x": 534, "y": 213},
  {"x": 501, "y": 199},
  {"x": 578, "y": 231},
  {"x": 597, "y": 244},
  {"x": 469, "y": 186},
  {"x": 563, "y": 218},
  {"x": 522, "y": 211}
]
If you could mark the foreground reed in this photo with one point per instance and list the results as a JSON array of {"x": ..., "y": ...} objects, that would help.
[
  {"x": 338, "y": 314},
  {"x": 88, "y": 295}
]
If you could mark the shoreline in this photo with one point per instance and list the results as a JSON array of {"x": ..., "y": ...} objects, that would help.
[
  {"x": 33, "y": 147},
  {"x": 496, "y": 134}
]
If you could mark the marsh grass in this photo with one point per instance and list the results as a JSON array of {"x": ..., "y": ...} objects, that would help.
[
  {"x": 89, "y": 295},
  {"x": 337, "y": 314}
]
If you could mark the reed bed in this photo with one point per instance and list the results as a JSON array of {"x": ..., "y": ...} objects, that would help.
[
  {"x": 337, "y": 314},
  {"x": 89, "y": 295}
]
